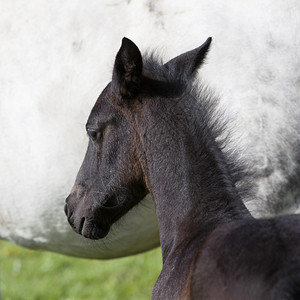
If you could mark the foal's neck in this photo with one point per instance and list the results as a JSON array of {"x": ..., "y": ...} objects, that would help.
[{"x": 187, "y": 175}]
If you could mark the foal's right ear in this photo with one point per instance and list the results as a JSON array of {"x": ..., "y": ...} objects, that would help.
[
  {"x": 189, "y": 62},
  {"x": 128, "y": 68}
]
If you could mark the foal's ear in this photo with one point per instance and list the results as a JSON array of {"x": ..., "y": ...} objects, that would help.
[
  {"x": 188, "y": 62},
  {"x": 127, "y": 72}
]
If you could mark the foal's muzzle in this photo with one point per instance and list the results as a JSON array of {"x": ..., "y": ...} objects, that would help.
[{"x": 83, "y": 221}]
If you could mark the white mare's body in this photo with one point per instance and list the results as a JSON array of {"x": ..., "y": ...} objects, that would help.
[{"x": 55, "y": 58}]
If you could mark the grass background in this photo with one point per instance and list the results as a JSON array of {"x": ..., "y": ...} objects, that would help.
[{"x": 38, "y": 275}]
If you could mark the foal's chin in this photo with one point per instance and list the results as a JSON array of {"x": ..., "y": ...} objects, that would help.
[
  {"x": 88, "y": 228},
  {"x": 95, "y": 224},
  {"x": 91, "y": 230}
]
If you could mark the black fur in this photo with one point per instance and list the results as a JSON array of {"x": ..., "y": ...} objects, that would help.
[{"x": 153, "y": 130}]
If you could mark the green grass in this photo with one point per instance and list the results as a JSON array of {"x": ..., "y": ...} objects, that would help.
[{"x": 37, "y": 275}]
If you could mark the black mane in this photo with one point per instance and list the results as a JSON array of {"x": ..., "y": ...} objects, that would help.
[{"x": 202, "y": 106}]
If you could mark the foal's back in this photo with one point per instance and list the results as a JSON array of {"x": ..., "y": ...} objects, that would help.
[{"x": 251, "y": 259}]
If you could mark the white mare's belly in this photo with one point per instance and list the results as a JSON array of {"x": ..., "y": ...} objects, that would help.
[{"x": 57, "y": 56}]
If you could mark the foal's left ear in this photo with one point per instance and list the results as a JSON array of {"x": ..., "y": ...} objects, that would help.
[
  {"x": 128, "y": 68},
  {"x": 188, "y": 62}
]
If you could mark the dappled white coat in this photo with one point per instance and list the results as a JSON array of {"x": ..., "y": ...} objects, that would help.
[{"x": 57, "y": 56}]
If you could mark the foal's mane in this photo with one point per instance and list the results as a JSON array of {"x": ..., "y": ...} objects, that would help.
[{"x": 167, "y": 80}]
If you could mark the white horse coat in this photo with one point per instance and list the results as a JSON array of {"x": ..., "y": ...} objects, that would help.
[{"x": 55, "y": 58}]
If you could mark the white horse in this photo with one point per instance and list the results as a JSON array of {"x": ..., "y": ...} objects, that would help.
[{"x": 55, "y": 59}]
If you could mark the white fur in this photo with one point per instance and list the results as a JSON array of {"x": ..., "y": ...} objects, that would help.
[{"x": 56, "y": 57}]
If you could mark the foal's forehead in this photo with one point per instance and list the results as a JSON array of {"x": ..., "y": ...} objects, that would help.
[{"x": 103, "y": 109}]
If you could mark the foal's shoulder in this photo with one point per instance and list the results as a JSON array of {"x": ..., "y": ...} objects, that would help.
[
  {"x": 252, "y": 245},
  {"x": 250, "y": 259}
]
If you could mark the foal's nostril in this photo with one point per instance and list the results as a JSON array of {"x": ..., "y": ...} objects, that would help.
[
  {"x": 68, "y": 213},
  {"x": 66, "y": 210}
]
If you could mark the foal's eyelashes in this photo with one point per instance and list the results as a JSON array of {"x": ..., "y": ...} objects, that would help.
[{"x": 94, "y": 134}]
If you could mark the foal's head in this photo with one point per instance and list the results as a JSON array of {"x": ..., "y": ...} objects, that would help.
[{"x": 112, "y": 177}]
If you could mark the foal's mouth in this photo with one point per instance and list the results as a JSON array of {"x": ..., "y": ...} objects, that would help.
[
  {"x": 89, "y": 229},
  {"x": 87, "y": 226},
  {"x": 96, "y": 223},
  {"x": 99, "y": 225}
]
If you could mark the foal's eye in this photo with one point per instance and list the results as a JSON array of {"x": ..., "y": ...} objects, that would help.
[{"x": 93, "y": 134}]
